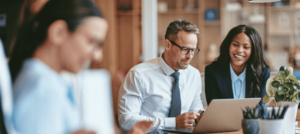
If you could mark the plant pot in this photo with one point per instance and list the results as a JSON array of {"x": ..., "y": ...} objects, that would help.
[
  {"x": 271, "y": 126},
  {"x": 290, "y": 117},
  {"x": 250, "y": 126}
]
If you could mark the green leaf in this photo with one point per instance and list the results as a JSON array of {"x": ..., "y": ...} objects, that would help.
[
  {"x": 276, "y": 78},
  {"x": 271, "y": 93},
  {"x": 282, "y": 68},
  {"x": 288, "y": 85},
  {"x": 286, "y": 80},
  {"x": 249, "y": 115},
  {"x": 287, "y": 94},
  {"x": 293, "y": 79},
  {"x": 287, "y": 72},
  {"x": 268, "y": 87},
  {"x": 292, "y": 92},
  {"x": 275, "y": 84},
  {"x": 298, "y": 96},
  {"x": 266, "y": 99},
  {"x": 256, "y": 113},
  {"x": 294, "y": 99},
  {"x": 282, "y": 74},
  {"x": 282, "y": 90},
  {"x": 278, "y": 97},
  {"x": 296, "y": 87}
]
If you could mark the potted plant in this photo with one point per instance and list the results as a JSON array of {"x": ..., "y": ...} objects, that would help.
[
  {"x": 284, "y": 89},
  {"x": 250, "y": 121}
]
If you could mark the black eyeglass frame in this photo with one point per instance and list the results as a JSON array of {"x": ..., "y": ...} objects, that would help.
[{"x": 193, "y": 49}]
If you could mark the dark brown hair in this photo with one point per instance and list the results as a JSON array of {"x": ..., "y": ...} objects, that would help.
[
  {"x": 256, "y": 62},
  {"x": 180, "y": 25},
  {"x": 25, "y": 11},
  {"x": 34, "y": 32}
]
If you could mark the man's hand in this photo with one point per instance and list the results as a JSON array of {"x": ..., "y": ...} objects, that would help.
[
  {"x": 141, "y": 127},
  {"x": 186, "y": 119},
  {"x": 84, "y": 132},
  {"x": 200, "y": 116}
]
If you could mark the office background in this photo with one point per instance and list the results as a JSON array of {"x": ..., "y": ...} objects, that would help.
[{"x": 137, "y": 29}]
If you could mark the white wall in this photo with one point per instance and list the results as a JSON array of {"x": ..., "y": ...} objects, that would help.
[{"x": 149, "y": 29}]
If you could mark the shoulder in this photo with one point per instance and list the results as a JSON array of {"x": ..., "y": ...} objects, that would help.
[
  {"x": 146, "y": 66},
  {"x": 215, "y": 68},
  {"x": 266, "y": 70},
  {"x": 39, "y": 84},
  {"x": 266, "y": 73},
  {"x": 39, "y": 91},
  {"x": 192, "y": 70}
]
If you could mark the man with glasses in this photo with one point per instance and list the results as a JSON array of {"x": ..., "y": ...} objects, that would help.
[{"x": 165, "y": 90}]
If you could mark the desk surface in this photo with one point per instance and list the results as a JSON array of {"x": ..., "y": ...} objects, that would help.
[{"x": 238, "y": 132}]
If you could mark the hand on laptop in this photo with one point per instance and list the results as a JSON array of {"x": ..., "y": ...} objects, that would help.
[
  {"x": 200, "y": 116},
  {"x": 186, "y": 119},
  {"x": 141, "y": 127}
]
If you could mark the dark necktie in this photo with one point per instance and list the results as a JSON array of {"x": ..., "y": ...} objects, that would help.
[{"x": 176, "y": 100}]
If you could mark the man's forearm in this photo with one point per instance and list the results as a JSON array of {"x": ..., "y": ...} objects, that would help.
[{"x": 128, "y": 120}]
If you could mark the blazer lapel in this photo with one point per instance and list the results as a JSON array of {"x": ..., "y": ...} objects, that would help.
[
  {"x": 249, "y": 77},
  {"x": 226, "y": 82}
]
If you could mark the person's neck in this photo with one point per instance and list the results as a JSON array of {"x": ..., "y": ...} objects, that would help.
[
  {"x": 48, "y": 55},
  {"x": 238, "y": 69},
  {"x": 166, "y": 58}
]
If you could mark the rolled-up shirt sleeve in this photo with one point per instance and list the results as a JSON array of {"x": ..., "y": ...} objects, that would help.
[{"x": 131, "y": 97}]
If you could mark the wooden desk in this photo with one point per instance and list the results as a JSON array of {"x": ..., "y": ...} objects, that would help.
[
  {"x": 241, "y": 131},
  {"x": 238, "y": 132}
]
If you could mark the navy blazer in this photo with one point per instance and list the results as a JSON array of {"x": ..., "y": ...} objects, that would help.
[{"x": 218, "y": 83}]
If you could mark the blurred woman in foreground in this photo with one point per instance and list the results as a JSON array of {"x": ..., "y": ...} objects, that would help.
[{"x": 62, "y": 36}]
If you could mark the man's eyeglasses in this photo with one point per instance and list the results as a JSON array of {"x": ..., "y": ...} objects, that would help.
[{"x": 186, "y": 50}]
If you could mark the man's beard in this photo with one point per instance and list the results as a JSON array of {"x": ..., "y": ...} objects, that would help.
[{"x": 183, "y": 66}]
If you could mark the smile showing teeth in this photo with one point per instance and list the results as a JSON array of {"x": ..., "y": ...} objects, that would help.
[{"x": 239, "y": 56}]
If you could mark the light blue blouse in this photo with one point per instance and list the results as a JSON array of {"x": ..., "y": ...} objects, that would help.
[
  {"x": 43, "y": 101},
  {"x": 238, "y": 84}
]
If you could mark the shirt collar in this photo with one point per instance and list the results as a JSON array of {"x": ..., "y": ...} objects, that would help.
[
  {"x": 37, "y": 64},
  {"x": 234, "y": 77},
  {"x": 165, "y": 67}
]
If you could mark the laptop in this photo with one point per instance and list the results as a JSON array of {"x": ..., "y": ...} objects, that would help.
[{"x": 222, "y": 115}]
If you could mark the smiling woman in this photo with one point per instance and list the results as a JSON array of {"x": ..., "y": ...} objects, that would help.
[{"x": 240, "y": 71}]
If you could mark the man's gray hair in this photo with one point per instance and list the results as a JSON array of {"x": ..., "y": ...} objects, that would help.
[{"x": 180, "y": 25}]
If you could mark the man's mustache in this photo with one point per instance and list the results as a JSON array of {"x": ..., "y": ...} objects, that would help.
[{"x": 187, "y": 59}]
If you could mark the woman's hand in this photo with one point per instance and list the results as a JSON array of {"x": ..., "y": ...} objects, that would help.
[{"x": 141, "y": 127}]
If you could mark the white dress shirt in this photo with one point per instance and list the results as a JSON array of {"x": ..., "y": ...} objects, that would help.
[
  {"x": 6, "y": 92},
  {"x": 146, "y": 94}
]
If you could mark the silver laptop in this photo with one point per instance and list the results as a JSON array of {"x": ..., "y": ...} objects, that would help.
[{"x": 222, "y": 115}]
